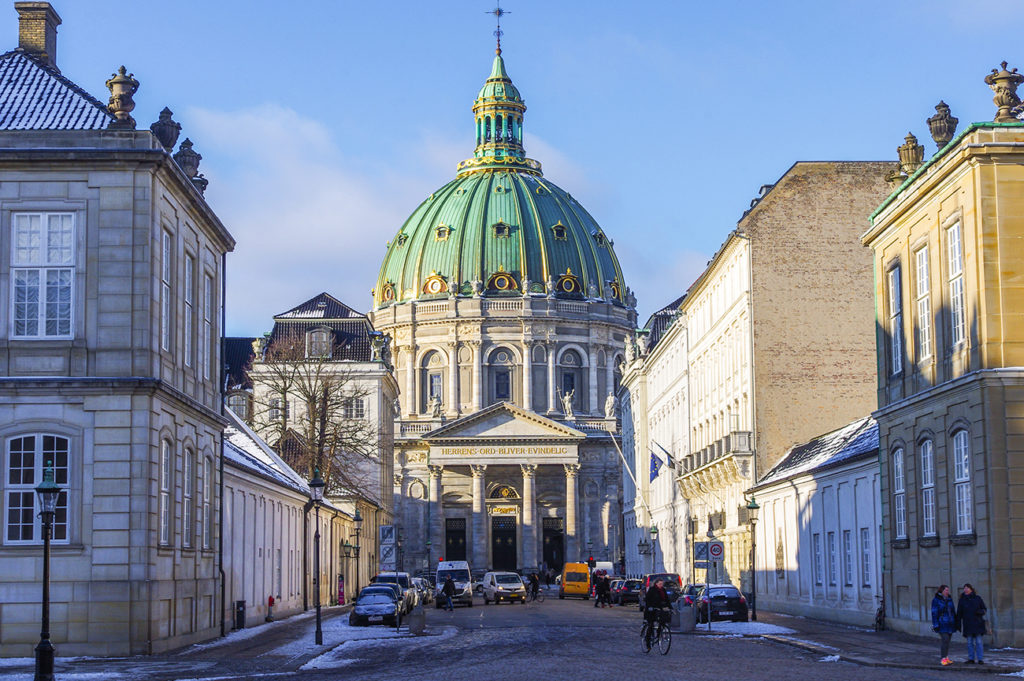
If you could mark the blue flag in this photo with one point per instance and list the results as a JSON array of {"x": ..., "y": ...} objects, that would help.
[
  {"x": 668, "y": 457},
  {"x": 656, "y": 465}
]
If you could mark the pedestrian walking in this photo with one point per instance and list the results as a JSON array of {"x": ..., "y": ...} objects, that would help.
[
  {"x": 970, "y": 611},
  {"x": 944, "y": 621},
  {"x": 448, "y": 590}
]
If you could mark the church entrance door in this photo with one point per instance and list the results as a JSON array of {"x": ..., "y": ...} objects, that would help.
[
  {"x": 455, "y": 539},
  {"x": 503, "y": 542},
  {"x": 554, "y": 543}
]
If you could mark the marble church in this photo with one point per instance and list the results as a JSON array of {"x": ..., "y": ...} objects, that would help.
[{"x": 508, "y": 313}]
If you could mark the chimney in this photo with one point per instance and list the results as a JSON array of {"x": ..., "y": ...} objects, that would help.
[{"x": 37, "y": 30}]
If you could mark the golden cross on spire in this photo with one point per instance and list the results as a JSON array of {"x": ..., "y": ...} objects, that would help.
[{"x": 498, "y": 12}]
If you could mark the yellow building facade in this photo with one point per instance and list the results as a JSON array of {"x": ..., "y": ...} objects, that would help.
[{"x": 949, "y": 294}]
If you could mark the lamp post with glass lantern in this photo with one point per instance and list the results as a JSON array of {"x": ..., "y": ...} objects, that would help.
[
  {"x": 654, "y": 548},
  {"x": 752, "y": 509},
  {"x": 358, "y": 521},
  {"x": 346, "y": 550},
  {"x": 316, "y": 493},
  {"x": 48, "y": 492}
]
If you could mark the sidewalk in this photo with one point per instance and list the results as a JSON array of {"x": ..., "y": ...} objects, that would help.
[{"x": 886, "y": 648}]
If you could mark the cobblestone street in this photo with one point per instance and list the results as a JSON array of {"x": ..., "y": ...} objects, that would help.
[{"x": 553, "y": 640}]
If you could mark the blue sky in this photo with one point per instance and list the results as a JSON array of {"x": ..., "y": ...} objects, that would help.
[{"x": 323, "y": 124}]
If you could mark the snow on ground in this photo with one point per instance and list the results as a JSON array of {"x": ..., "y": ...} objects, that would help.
[
  {"x": 744, "y": 628},
  {"x": 1020, "y": 674},
  {"x": 17, "y": 661},
  {"x": 816, "y": 644},
  {"x": 250, "y": 632},
  {"x": 829, "y": 658},
  {"x": 360, "y": 638}
]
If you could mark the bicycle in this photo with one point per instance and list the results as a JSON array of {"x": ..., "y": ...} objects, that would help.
[
  {"x": 661, "y": 635},
  {"x": 538, "y": 596},
  {"x": 880, "y": 615}
]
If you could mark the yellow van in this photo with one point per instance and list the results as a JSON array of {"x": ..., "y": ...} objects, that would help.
[{"x": 575, "y": 581}]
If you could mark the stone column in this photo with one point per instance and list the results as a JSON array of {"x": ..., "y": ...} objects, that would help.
[
  {"x": 479, "y": 529},
  {"x": 593, "y": 407},
  {"x": 572, "y": 552},
  {"x": 610, "y": 372},
  {"x": 528, "y": 377},
  {"x": 528, "y": 552},
  {"x": 453, "y": 379},
  {"x": 410, "y": 381},
  {"x": 436, "y": 514},
  {"x": 477, "y": 376},
  {"x": 551, "y": 377}
]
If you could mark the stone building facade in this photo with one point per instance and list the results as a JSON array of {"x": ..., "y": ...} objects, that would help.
[
  {"x": 508, "y": 313},
  {"x": 950, "y": 326}
]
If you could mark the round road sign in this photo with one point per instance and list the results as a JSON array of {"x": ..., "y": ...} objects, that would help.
[{"x": 716, "y": 550}]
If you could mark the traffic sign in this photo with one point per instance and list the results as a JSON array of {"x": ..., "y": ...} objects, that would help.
[
  {"x": 387, "y": 534},
  {"x": 386, "y": 560},
  {"x": 701, "y": 565},
  {"x": 716, "y": 550},
  {"x": 700, "y": 550}
]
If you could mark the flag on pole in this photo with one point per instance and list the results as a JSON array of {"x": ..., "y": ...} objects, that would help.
[
  {"x": 656, "y": 465},
  {"x": 668, "y": 457}
]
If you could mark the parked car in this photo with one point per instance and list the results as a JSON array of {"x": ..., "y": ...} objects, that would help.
[
  {"x": 404, "y": 581},
  {"x": 394, "y": 588},
  {"x": 503, "y": 586},
  {"x": 689, "y": 593},
  {"x": 424, "y": 590},
  {"x": 626, "y": 591},
  {"x": 376, "y": 605},
  {"x": 723, "y": 601},
  {"x": 575, "y": 581}
]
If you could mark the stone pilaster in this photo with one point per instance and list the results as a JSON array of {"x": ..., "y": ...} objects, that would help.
[
  {"x": 436, "y": 513},
  {"x": 528, "y": 551},
  {"x": 572, "y": 471},
  {"x": 479, "y": 546}
]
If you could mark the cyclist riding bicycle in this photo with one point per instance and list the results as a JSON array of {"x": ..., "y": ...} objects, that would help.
[
  {"x": 654, "y": 601},
  {"x": 534, "y": 584}
]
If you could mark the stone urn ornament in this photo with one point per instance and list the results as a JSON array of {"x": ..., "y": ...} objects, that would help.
[
  {"x": 1004, "y": 83},
  {"x": 166, "y": 130},
  {"x": 942, "y": 125},
  {"x": 188, "y": 159},
  {"x": 122, "y": 87},
  {"x": 911, "y": 154}
]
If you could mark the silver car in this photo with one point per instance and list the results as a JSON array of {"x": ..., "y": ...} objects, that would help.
[{"x": 376, "y": 606}]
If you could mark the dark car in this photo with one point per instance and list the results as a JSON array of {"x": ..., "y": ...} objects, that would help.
[
  {"x": 626, "y": 591},
  {"x": 404, "y": 581},
  {"x": 724, "y": 601},
  {"x": 396, "y": 589},
  {"x": 376, "y": 605}
]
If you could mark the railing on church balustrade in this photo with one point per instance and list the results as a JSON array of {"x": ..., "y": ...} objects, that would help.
[{"x": 503, "y": 305}]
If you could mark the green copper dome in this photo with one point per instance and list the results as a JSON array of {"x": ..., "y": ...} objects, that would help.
[{"x": 500, "y": 228}]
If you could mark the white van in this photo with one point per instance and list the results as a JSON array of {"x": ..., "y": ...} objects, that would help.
[
  {"x": 460, "y": 574},
  {"x": 503, "y": 586}
]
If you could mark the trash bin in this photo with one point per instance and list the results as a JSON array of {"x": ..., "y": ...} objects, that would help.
[
  {"x": 239, "y": 614},
  {"x": 684, "y": 617},
  {"x": 417, "y": 621}
]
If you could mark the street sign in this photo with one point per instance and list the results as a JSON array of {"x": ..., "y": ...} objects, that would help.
[
  {"x": 700, "y": 550},
  {"x": 716, "y": 550},
  {"x": 386, "y": 560},
  {"x": 701, "y": 565},
  {"x": 387, "y": 534}
]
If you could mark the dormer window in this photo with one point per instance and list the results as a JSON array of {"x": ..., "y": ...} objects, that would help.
[
  {"x": 598, "y": 237},
  {"x": 318, "y": 343},
  {"x": 501, "y": 230},
  {"x": 558, "y": 231},
  {"x": 402, "y": 238},
  {"x": 442, "y": 232}
]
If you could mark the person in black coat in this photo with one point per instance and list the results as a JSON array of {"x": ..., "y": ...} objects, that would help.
[{"x": 970, "y": 611}]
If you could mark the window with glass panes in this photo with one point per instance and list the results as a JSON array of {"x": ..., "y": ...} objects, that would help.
[
  {"x": 187, "y": 530},
  {"x": 927, "y": 453},
  {"x": 924, "y": 305},
  {"x": 190, "y": 264},
  {"x": 895, "y": 322},
  {"x": 962, "y": 483},
  {"x": 832, "y": 558},
  {"x": 25, "y": 459},
  {"x": 816, "y": 541},
  {"x": 865, "y": 557},
  {"x": 899, "y": 495},
  {"x": 955, "y": 266},
  {"x": 166, "y": 274},
  {"x": 354, "y": 408},
  {"x": 847, "y": 558},
  {"x": 207, "y": 502},
  {"x": 208, "y": 352},
  {"x": 42, "y": 275},
  {"x": 166, "y": 462}
]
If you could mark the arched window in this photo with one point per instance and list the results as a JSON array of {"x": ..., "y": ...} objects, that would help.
[
  {"x": 432, "y": 376},
  {"x": 899, "y": 495},
  {"x": 570, "y": 380},
  {"x": 962, "y": 482},
  {"x": 501, "y": 362},
  {"x": 927, "y": 453},
  {"x": 318, "y": 343}
]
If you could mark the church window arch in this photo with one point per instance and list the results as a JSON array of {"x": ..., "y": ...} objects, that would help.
[
  {"x": 502, "y": 281},
  {"x": 558, "y": 231},
  {"x": 432, "y": 372},
  {"x": 499, "y": 491},
  {"x": 502, "y": 363},
  {"x": 571, "y": 376}
]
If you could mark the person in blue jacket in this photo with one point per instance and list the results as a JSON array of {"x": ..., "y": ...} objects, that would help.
[{"x": 944, "y": 621}]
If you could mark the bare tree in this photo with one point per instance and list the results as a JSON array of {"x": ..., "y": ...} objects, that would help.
[{"x": 313, "y": 410}]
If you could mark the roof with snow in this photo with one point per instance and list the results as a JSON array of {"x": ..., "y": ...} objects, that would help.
[
  {"x": 349, "y": 329},
  {"x": 245, "y": 449},
  {"x": 34, "y": 96},
  {"x": 238, "y": 356},
  {"x": 662, "y": 320},
  {"x": 322, "y": 306},
  {"x": 852, "y": 442}
]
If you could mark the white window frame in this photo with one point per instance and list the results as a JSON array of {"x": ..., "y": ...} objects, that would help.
[
  {"x": 189, "y": 297},
  {"x": 899, "y": 494},
  {"x": 833, "y": 572},
  {"x": 954, "y": 250},
  {"x": 962, "y": 482},
  {"x": 208, "y": 301},
  {"x": 354, "y": 408},
  {"x": 924, "y": 305},
  {"x": 865, "y": 557},
  {"x": 278, "y": 407},
  {"x": 166, "y": 473},
  {"x": 818, "y": 568},
  {"x": 847, "y": 557},
  {"x": 926, "y": 452},
  {"x": 42, "y": 267},
  {"x": 236, "y": 400},
  {"x": 166, "y": 282},
  {"x": 319, "y": 343},
  {"x": 895, "y": 321},
  {"x": 207, "y": 502},
  {"x": 19, "y": 495},
  {"x": 187, "y": 491}
]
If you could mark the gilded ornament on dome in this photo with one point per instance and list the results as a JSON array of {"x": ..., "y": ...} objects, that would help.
[
  {"x": 616, "y": 291},
  {"x": 388, "y": 292},
  {"x": 401, "y": 239},
  {"x": 442, "y": 232},
  {"x": 558, "y": 230},
  {"x": 502, "y": 281},
  {"x": 435, "y": 285},
  {"x": 569, "y": 283}
]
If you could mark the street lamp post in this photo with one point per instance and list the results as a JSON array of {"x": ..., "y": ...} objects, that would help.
[
  {"x": 48, "y": 492},
  {"x": 346, "y": 550},
  {"x": 654, "y": 548},
  {"x": 316, "y": 493},
  {"x": 752, "y": 509},
  {"x": 358, "y": 520}
]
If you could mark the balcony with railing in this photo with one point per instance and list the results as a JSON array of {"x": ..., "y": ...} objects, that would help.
[{"x": 725, "y": 461}]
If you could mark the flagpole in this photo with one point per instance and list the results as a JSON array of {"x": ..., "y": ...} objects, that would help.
[{"x": 631, "y": 477}]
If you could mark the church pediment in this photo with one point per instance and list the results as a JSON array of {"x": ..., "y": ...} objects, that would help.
[{"x": 505, "y": 422}]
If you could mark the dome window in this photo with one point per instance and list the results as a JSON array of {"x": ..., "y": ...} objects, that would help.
[
  {"x": 435, "y": 285},
  {"x": 569, "y": 283},
  {"x": 442, "y": 232},
  {"x": 616, "y": 291},
  {"x": 502, "y": 281},
  {"x": 558, "y": 231},
  {"x": 402, "y": 238},
  {"x": 502, "y": 230},
  {"x": 598, "y": 237},
  {"x": 388, "y": 293}
]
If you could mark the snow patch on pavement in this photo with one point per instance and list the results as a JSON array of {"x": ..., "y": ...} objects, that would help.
[
  {"x": 829, "y": 658},
  {"x": 248, "y": 632},
  {"x": 816, "y": 644},
  {"x": 1019, "y": 674},
  {"x": 347, "y": 653},
  {"x": 745, "y": 628}
]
